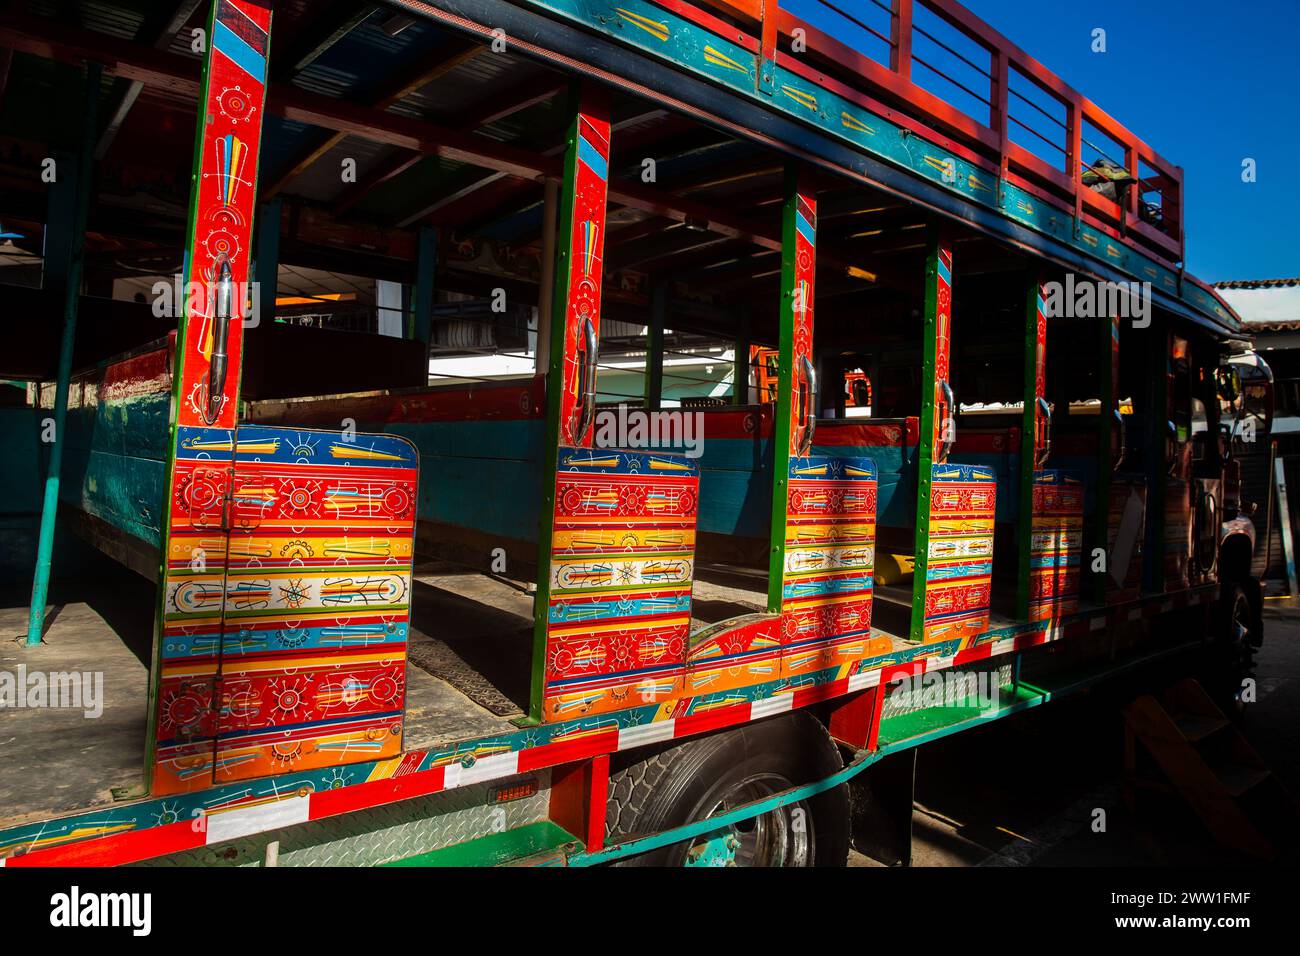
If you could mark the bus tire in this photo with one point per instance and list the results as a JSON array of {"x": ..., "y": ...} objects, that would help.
[
  {"x": 701, "y": 778},
  {"x": 1232, "y": 648}
]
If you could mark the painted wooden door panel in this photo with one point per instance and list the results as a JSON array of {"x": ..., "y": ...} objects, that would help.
[
  {"x": 1056, "y": 544},
  {"x": 618, "y": 612},
  {"x": 193, "y": 601},
  {"x": 318, "y": 585},
  {"x": 205, "y": 398},
  {"x": 959, "y": 552},
  {"x": 286, "y": 603},
  {"x": 826, "y": 586}
]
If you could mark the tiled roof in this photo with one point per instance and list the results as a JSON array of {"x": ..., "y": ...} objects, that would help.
[{"x": 1256, "y": 283}]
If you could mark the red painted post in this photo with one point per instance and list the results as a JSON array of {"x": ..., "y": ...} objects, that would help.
[
  {"x": 1130, "y": 210},
  {"x": 853, "y": 719},
  {"x": 1073, "y": 147},
  {"x": 579, "y": 792},
  {"x": 767, "y": 45},
  {"x": 999, "y": 110},
  {"x": 900, "y": 38}
]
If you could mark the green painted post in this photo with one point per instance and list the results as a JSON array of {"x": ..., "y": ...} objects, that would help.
[
  {"x": 654, "y": 359},
  {"x": 590, "y": 101},
  {"x": 266, "y": 269},
  {"x": 784, "y": 413},
  {"x": 935, "y": 346},
  {"x": 425, "y": 268},
  {"x": 71, "y": 299},
  {"x": 1031, "y": 392}
]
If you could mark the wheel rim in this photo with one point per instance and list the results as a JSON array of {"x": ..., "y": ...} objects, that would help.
[{"x": 780, "y": 837}]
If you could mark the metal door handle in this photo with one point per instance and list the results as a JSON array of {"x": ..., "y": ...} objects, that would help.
[
  {"x": 1043, "y": 433},
  {"x": 585, "y": 413},
  {"x": 219, "y": 362},
  {"x": 1117, "y": 453},
  {"x": 947, "y": 422},
  {"x": 807, "y": 406}
]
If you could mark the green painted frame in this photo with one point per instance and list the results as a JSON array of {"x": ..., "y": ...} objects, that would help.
[
  {"x": 783, "y": 414},
  {"x": 580, "y": 98},
  {"x": 179, "y": 382},
  {"x": 935, "y": 354},
  {"x": 1035, "y": 356}
]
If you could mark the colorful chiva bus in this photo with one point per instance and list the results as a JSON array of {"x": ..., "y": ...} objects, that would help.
[{"x": 911, "y": 393}]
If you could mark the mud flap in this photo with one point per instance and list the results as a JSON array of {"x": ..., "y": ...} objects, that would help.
[{"x": 880, "y": 809}]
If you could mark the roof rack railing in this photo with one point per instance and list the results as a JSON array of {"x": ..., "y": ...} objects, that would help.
[{"x": 993, "y": 104}]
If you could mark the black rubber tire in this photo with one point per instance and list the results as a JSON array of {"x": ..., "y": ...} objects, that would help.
[
  {"x": 677, "y": 785},
  {"x": 1231, "y": 652}
]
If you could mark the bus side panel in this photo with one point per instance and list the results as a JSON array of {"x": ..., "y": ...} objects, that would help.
[
  {"x": 830, "y": 540},
  {"x": 1056, "y": 545},
  {"x": 622, "y": 562},
  {"x": 193, "y": 600},
  {"x": 959, "y": 569},
  {"x": 738, "y": 652},
  {"x": 318, "y": 590}
]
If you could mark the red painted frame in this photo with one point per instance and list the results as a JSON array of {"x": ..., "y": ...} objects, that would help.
[{"x": 987, "y": 143}]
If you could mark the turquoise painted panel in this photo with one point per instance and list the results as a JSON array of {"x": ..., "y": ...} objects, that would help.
[
  {"x": 735, "y": 487},
  {"x": 1006, "y": 471},
  {"x": 113, "y": 465},
  {"x": 478, "y": 475},
  {"x": 20, "y": 465},
  {"x": 493, "y": 495},
  {"x": 518, "y": 440},
  {"x": 735, "y": 502},
  {"x": 895, "y": 479}
]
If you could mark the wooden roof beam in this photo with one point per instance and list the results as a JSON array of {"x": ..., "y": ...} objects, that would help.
[
  {"x": 158, "y": 31},
  {"x": 322, "y": 29},
  {"x": 404, "y": 87},
  {"x": 498, "y": 108},
  {"x": 179, "y": 74}
]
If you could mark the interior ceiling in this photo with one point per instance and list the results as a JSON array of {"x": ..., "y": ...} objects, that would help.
[{"x": 709, "y": 218}]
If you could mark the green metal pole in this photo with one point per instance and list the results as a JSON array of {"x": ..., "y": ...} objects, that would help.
[{"x": 71, "y": 298}]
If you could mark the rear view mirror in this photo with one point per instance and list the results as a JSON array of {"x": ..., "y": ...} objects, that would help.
[{"x": 1227, "y": 382}]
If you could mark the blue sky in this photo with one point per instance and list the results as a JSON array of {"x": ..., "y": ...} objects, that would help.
[{"x": 1206, "y": 84}]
